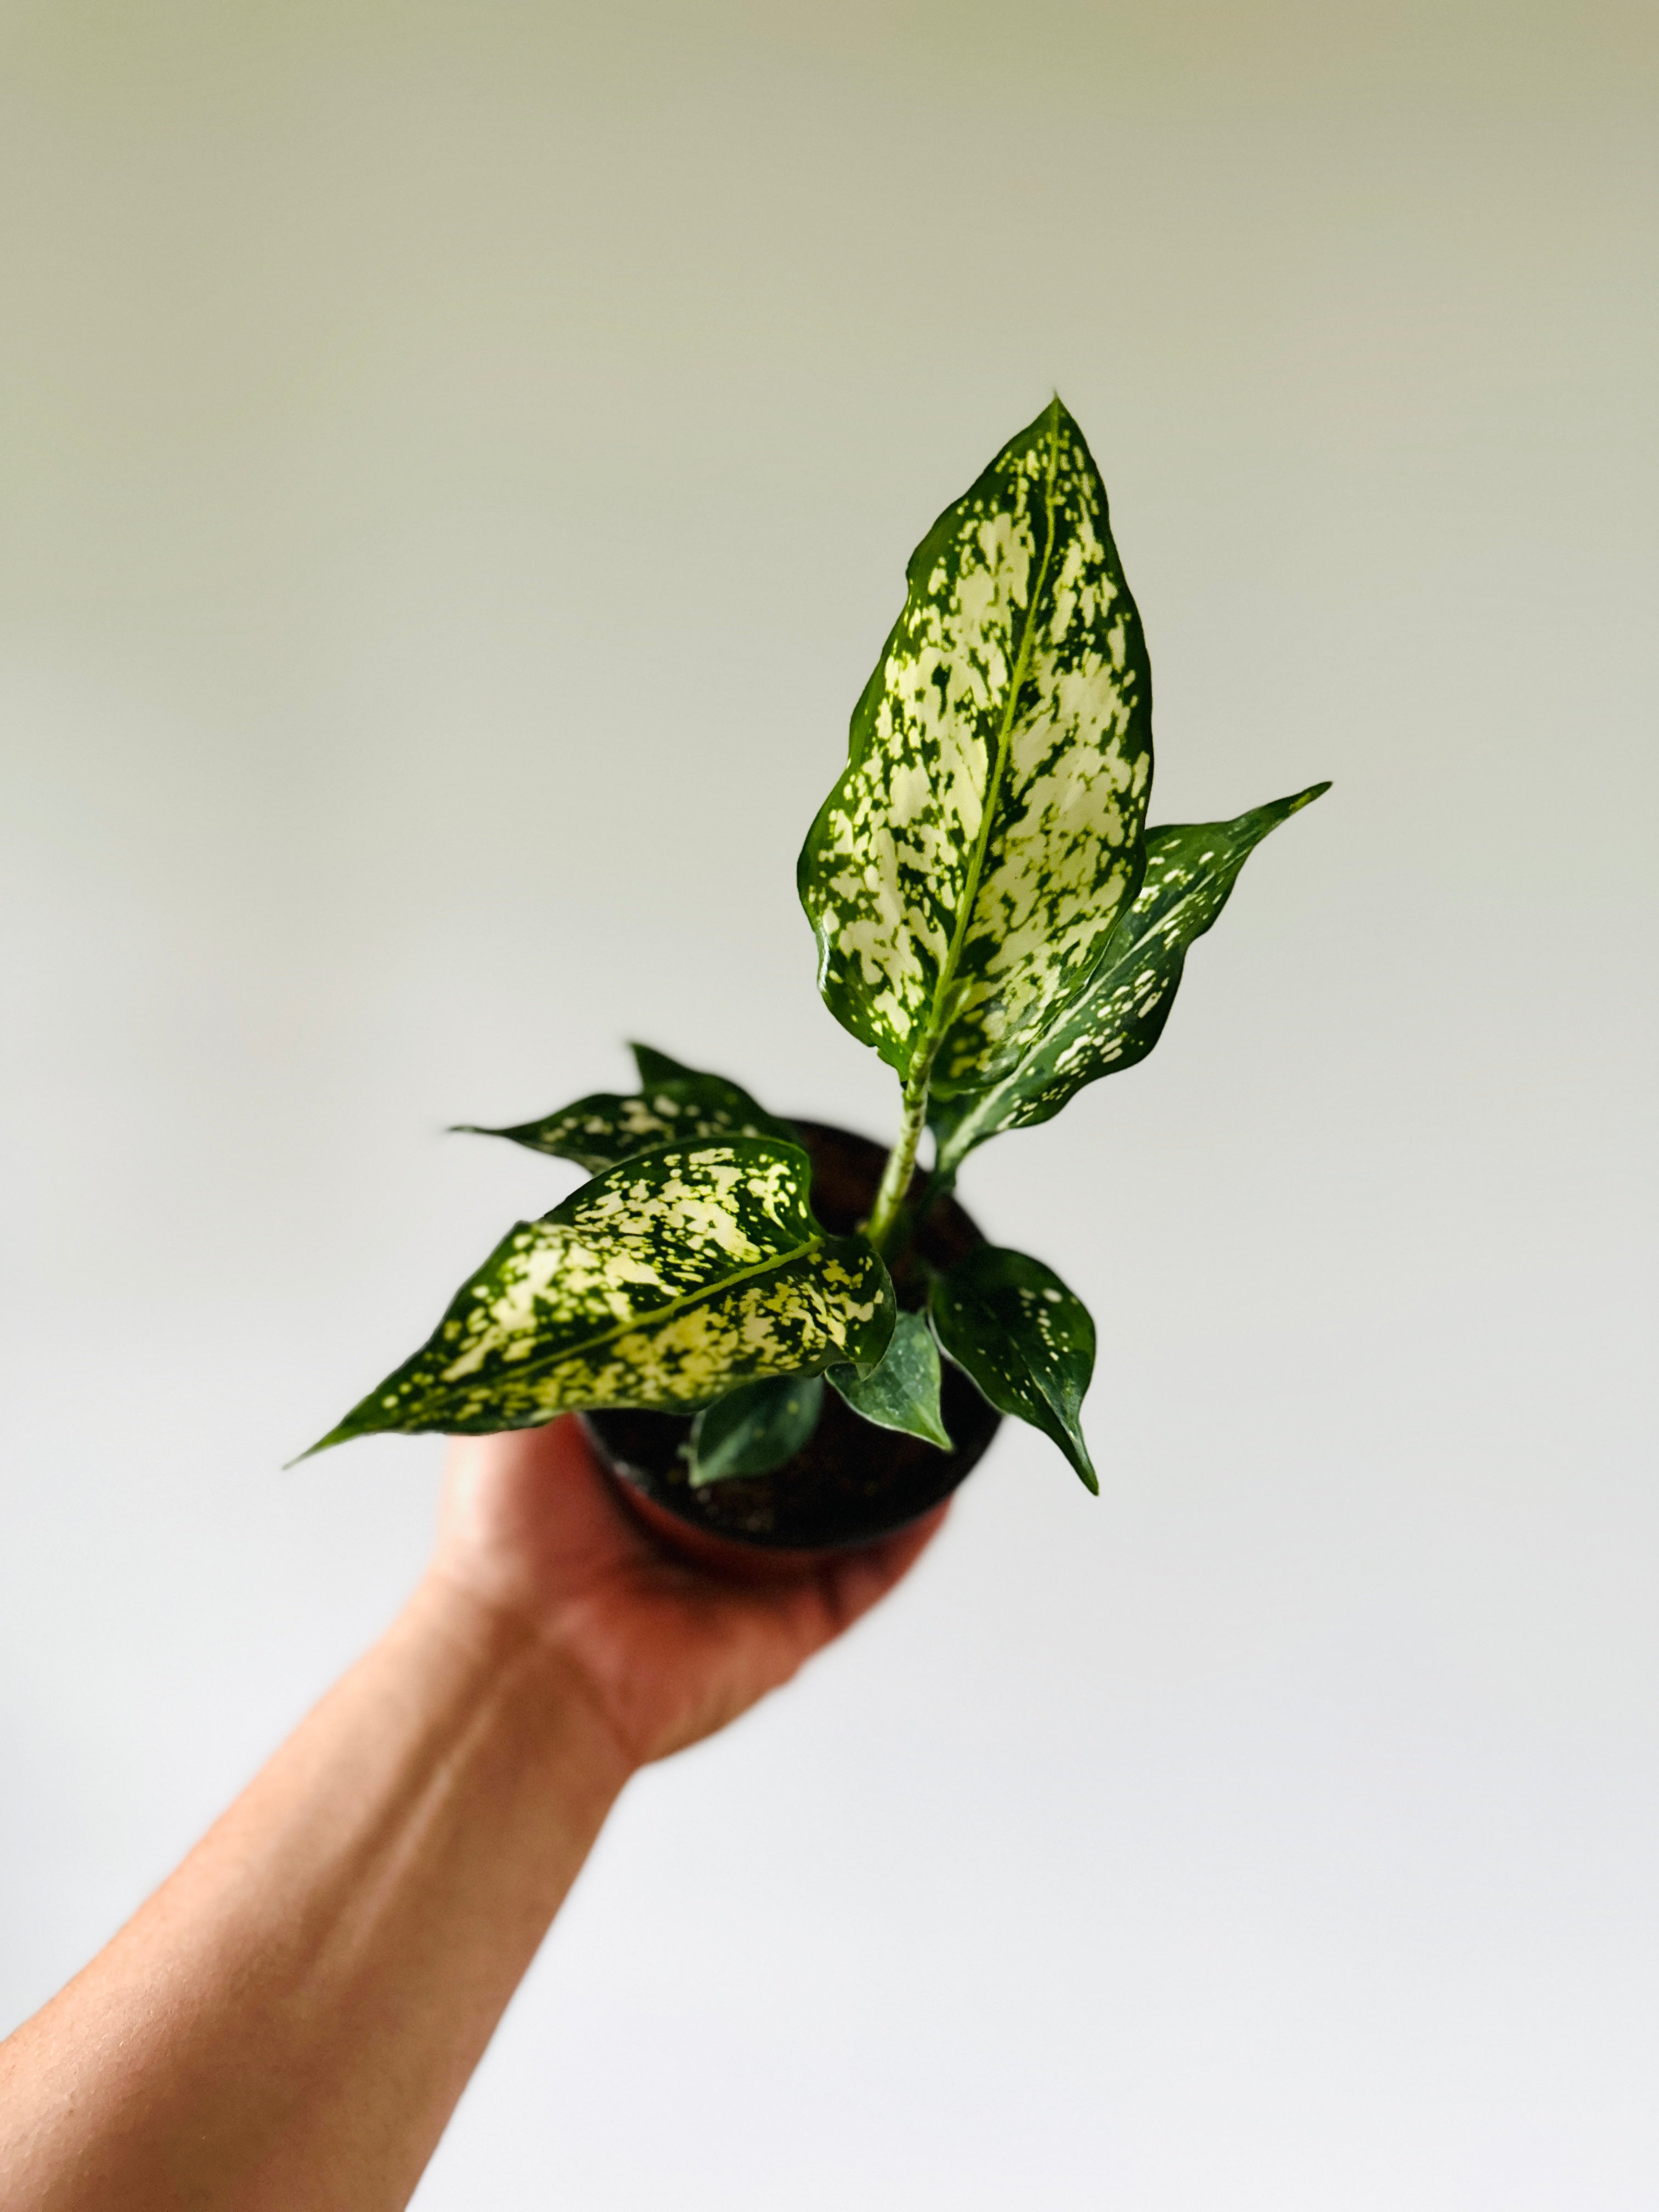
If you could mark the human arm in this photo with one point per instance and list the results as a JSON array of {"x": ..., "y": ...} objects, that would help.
[{"x": 291, "y": 2018}]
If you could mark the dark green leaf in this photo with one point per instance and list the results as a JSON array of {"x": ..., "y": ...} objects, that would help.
[
  {"x": 656, "y": 1067},
  {"x": 600, "y": 1131},
  {"x": 1025, "y": 1339},
  {"x": 964, "y": 874},
  {"x": 1191, "y": 868},
  {"x": 902, "y": 1392},
  {"x": 755, "y": 1428},
  {"x": 663, "y": 1282}
]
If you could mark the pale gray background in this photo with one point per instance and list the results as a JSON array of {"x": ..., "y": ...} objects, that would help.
[{"x": 458, "y": 463}]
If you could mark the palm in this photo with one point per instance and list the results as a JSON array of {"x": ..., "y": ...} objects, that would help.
[{"x": 672, "y": 1651}]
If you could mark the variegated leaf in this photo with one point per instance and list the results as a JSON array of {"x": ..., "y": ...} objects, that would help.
[
  {"x": 599, "y": 1130},
  {"x": 663, "y": 1282},
  {"x": 1191, "y": 868},
  {"x": 755, "y": 1428},
  {"x": 966, "y": 871},
  {"x": 1026, "y": 1339},
  {"x": 902, "y": 1392}
]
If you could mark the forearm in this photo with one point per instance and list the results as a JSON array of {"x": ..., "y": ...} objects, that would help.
[{"x": 291, "y": 2018}]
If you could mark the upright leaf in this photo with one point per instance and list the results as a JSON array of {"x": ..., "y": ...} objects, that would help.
[
  {"x": 1025, "y": 1339},
  {"x": 599, "y": 1130},
  {"x": 755, "y": 1428},
  {"x": 966, "y": 871},
  {"x": 662, "y": 1283},
  {"x": 902, "y": 1392},
  {"x": 1191, "y": 868}
]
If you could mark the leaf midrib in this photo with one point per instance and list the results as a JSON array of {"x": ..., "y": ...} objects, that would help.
[
  {"x": 659, "y": 1314},
  {"x": 934, "y": 1031}
]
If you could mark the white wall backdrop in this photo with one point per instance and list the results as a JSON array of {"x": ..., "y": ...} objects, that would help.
[{"x": 458, "y": 467}]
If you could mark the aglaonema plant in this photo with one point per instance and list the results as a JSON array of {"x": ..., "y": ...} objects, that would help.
[{"x": 995, "y": 920}]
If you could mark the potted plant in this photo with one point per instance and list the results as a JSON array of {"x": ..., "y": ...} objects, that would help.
[{"x": 782, "y": 1335}]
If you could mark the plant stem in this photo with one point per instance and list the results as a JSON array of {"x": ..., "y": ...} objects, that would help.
[{"x": 902, "y": 1160}]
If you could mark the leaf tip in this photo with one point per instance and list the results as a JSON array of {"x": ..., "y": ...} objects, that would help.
[{"x": 337, "y": 1435}]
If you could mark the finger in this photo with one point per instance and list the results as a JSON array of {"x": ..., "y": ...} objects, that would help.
[
  {"x": 857, "y": 1580},
  {"x": 811, "y": 1608},
  {"x": 540, "y": 1493}
]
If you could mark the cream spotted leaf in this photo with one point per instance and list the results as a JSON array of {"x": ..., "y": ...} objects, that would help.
[
  {"x": 1191, "y": 869},
  {"x": 964, "y": 874},
  {"x": 599, "y": 1130},
  {"x": 664, "y": 1282},
  {"x": 1024, "y": 1338}
]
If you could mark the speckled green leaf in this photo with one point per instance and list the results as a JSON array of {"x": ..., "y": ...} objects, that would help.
[
  {"x": 966, "y": 871},
  {"x": 1191, "y": 868},
  {"x": 600, "y": 1131},
  {"x": 755, "y": 1428},
  {"x": 902, "y": 1392},
  {"x": 1025, "y": 1339},
  {"x": 663, "y": 1282}
]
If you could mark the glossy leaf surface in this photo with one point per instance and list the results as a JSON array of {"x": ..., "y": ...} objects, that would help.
[
  {"x": 1026, "y": 1339},
  {"x": 968, "y": 868},
  {"x": 663, "y": 1282},
  {"x": 755, "y": 1428},
  {"x": 902, "y": 1392},
  {"x": 1191, "y": 868},
  {"x": 599, "y": 1130}
]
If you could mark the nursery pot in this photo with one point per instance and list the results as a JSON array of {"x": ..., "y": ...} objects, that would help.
[{"x": 851, "y": 1482}]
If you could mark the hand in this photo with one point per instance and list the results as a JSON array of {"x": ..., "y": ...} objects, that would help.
[
  {"x": 290, "y": 2020},
  {"x": 530, "y": 1528}
]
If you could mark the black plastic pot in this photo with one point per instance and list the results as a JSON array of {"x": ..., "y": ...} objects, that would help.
[{"x": 852, "y": 1482}]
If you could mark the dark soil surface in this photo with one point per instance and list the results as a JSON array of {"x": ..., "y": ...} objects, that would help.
[{"x": 851, "y": 1482}]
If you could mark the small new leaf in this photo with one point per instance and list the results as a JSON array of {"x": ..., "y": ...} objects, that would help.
[
  {"x": 1117, "y": 1019},
  {"x": 1024, "y": 1340},
  {"x": 755, "y": 1428},
  {"x": 663, "y": 1282},
  {"x": 902, "y": 1392},
  {"x": 600, "y": 1131},
  {"x": 965, "y": 872}
]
